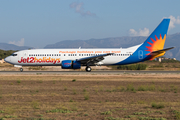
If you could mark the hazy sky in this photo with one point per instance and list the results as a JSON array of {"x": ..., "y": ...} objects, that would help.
[{"x": 37, "y": 23}]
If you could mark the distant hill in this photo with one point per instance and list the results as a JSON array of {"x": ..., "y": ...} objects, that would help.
[
  {"x": 118, "y": 42},
  {"x": 99, "y": 43},
  {"x": 5, "y": 46}
]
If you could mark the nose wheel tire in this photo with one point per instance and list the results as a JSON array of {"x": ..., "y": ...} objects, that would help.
[
  {"x": 88, "y": 69},
  {"x": 21, "y": 69}
]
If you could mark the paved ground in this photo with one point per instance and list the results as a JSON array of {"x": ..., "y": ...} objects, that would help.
[{"x": 92, "y": 72}]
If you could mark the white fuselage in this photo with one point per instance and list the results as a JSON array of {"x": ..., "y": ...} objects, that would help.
[{"x": 54, "y": 57}]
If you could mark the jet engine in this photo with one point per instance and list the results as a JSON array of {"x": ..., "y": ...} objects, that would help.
[{"x": 71, "y": 64}]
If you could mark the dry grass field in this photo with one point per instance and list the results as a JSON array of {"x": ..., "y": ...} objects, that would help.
[{"x": 90, "y": 97}]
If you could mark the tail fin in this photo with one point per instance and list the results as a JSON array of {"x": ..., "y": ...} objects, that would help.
[
  {"x": 157, "y": 38},
  {"x": 154, "y": 43}
]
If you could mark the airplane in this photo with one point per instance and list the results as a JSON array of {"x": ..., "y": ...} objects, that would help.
[{"x": 75, "y": 58}]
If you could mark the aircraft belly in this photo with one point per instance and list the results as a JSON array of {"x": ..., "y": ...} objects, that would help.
[{"x": 113, "y": 59}]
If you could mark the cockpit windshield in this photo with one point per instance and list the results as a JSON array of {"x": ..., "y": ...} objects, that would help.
[{"x": 14, "y": 54}]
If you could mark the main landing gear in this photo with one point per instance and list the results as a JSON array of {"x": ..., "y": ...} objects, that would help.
[
  {"x": 21, "y": 69},
  {"x": 88, "y": 69}
]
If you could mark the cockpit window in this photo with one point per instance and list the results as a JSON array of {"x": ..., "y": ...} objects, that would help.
[{"x": 14, "y": 54}]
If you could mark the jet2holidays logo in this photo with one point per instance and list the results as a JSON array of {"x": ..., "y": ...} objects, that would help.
[{"x": 39, "y": 60}]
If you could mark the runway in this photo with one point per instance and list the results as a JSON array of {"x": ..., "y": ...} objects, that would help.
[{"x": 85, "y": 73}]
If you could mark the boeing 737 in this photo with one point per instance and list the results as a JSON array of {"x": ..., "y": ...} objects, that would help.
[{"x": 75, "y": 58}]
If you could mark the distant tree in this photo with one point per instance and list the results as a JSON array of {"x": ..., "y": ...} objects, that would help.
[{"x": 4, "y": 54}]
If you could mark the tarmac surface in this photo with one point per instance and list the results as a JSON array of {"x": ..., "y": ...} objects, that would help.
[{"x": 84, "y": 72}]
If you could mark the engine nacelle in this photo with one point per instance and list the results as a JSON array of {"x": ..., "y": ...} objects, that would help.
[{"x": 70, "y": 64}]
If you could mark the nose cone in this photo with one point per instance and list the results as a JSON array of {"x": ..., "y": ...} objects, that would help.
[{"x": 7, "y": 59}]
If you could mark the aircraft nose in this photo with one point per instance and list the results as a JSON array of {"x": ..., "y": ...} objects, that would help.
[{"x": 7, "y": 59}]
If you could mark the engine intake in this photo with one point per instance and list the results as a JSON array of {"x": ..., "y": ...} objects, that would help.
[{"x": 70, "y": 64}]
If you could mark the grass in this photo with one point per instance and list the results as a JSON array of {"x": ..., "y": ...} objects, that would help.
[
  {"x": 0, "y": 91},
  {"x": 140, "y": 113},
  {"x": 101, "y": 87},
  {"x": 35, "y": 104},
  {"x": 71, "y": 100},
  {"x": 59, "y": 111},
  {"x": 10, "y": 110},
  {"x": 86, "y": 96},
  {"x": 161, "y": 112},
  {"x": 65, "y": 88},
  {"x": 157, "y": 105},
  {"x": 1, "y": 111},
  {"x": 106, "y": 113},
  {"x": 74, "y": 80},
  {"x": 146, "y": 87},
  {"x": 18, "y": 81},
  {"x": 113, "y": 118},
  {"x": 38, "y": 73},
  {"x": 54, "y": 82},
  {"x": 85, "y": 99},
  {"x": 151, "y": 118},
  {"x": 74, "y": 91},
  {"x": 84, "y": 90},
  {"x": 177, "y": 114},
  {"x": 40, "y": 81},
  {"x": 130, "y": 87},
  {"x": 96, "y": 90}
]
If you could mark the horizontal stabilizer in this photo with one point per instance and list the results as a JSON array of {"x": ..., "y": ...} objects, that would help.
[
  {"x": 161, "y": 51},
  {"x": 158, "y": 53}
]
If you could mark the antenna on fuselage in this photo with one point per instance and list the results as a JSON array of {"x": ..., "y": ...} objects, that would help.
[{"x": 80, "y": 47}]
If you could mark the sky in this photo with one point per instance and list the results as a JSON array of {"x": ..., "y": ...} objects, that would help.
[{"x": 37, "y": 23}]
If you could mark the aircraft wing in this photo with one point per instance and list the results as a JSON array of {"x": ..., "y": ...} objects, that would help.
[{"x": 93, "y": 59}]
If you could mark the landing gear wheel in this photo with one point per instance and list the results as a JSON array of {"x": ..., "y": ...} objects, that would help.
[
  {"x": 88, "y": 69},
  {"x": 21, "y": 69}
]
